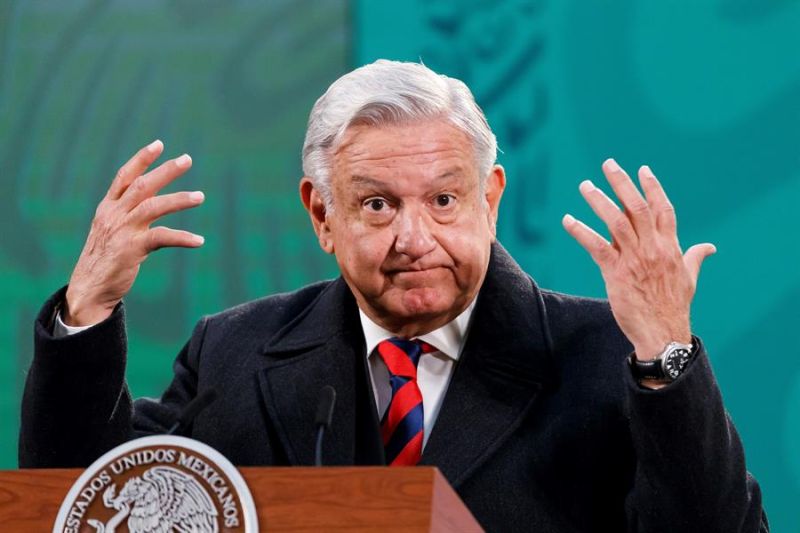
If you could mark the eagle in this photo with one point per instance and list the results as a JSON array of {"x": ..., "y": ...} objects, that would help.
[{"x": 161, "y": 500}]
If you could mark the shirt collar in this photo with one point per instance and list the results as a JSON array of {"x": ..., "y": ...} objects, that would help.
[{"x": 448, "y": 339}]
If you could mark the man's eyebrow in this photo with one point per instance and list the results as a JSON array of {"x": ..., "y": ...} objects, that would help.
[
  {"x": 455, "y": 171},
  {"x": 358, "y": 179},
  {"x": 364, "y": 180}
]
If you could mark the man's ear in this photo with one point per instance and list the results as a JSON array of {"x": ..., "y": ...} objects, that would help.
[
  {"x": 495, "y": 185},
  {"x": 315, "y": 205}
]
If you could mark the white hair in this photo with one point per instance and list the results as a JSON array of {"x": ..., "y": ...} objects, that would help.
[{"x": 389, "y": 93}]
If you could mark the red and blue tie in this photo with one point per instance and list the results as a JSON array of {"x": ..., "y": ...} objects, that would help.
[{"x": 402, "y": 427}]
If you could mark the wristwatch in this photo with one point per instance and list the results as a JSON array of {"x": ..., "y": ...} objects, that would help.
[{"x": 670, "y": 364}]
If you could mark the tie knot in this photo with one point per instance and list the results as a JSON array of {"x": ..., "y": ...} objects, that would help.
[{"x": 402, "y": 355}]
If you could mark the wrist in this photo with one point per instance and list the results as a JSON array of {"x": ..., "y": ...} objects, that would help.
[
  {"x": 78, "y": 312},
  {"x": 650, "y": 350},
  {"x": 653, "y": 384}
]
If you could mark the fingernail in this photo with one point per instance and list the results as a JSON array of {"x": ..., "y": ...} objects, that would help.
[
  {"x": 198, "y": 239},
  {"x": 586, "y": 186},
  {"x": 183, "y": 161},
  {"x": 568, "y": 219},
  {"x": 647, "y": 172},
  {"x": 197, "y": 196},
  {"x": 611, "y": 165},
  {"x": 155, "y": 145}
]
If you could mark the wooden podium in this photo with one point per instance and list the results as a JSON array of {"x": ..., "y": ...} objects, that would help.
[{"x": 287, "y": 499}]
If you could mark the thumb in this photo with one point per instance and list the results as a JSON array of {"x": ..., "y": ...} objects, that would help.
[{"x": 695, "y": 256}]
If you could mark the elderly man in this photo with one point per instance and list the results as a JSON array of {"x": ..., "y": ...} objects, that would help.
[{"x": 546, "y": 412}]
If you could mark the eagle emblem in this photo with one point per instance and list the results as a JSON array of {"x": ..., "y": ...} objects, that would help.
[{"x": 163, "y": 499}]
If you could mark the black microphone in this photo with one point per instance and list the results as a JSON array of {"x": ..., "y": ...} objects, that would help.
[
  {"x": 193, "y": 409},
  {"x": 327, "y": 399}
]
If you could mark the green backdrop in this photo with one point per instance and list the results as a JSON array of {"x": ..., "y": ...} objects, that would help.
[{"x": 706, "y": 92}]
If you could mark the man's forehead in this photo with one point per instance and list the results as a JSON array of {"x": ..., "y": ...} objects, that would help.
[
  {"x": 420, "y": 137},
  {"x": 437, "y": 146}
]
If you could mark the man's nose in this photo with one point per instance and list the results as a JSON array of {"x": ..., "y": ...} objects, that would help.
[{"x": 414, "y": 237}]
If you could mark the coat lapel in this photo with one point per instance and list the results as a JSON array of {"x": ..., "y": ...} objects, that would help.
[
  {"x": 505, "y": 363},
  {"x": 323, "y": 346}
]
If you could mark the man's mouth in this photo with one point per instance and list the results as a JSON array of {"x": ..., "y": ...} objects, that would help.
[
  {"x": 396, "y": 271},
  {"x": 427, "y": 277}
]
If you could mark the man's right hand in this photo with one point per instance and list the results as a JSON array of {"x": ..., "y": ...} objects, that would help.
[{"x": 121, "y": 238}]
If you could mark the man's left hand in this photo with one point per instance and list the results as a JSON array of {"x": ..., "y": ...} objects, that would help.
[{"x": 649, "y": 281}]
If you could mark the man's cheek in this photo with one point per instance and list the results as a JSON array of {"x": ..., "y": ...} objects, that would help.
[
  {"x": 372, "y": 248},
  {"x": 365, "y": 263}
]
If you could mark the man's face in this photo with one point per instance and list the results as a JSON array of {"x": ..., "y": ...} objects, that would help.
[{"x": 410, "y": 227}]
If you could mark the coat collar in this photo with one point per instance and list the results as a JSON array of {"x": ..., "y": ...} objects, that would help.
[
  {"x": 506, "y": 361},
  {"x": 323, "y": 346}
]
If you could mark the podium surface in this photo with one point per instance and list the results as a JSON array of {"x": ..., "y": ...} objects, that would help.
[{"x": 286, "y": 498}]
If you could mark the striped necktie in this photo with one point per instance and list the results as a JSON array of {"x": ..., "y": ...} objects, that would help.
[{"x": 402, "y": 427}]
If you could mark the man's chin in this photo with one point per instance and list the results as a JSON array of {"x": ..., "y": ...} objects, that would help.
[
  {"x": 410, "y": 310},
  {"x": 426, "y": 307},
  {"x": 424, "y": 302}
]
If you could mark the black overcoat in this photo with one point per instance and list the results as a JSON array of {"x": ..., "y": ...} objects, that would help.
[{"x": 542, "y": 427}]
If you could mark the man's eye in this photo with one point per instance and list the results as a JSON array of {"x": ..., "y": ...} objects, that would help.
[
  {"x": 375, "y": 204},
  {"x": 444, "y": 200}
]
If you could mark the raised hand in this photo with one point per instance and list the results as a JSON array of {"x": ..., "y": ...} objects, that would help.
[
  {"x": 121, "y": 238},
  {"x": 649, "y": 281}
]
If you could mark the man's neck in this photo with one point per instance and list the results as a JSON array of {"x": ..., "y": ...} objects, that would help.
[{"x": 448, "y": 338}]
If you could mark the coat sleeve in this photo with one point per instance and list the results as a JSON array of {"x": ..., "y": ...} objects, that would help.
[
  {"x": 76, "y": 404},
  {"x": 690, "y": 471}
]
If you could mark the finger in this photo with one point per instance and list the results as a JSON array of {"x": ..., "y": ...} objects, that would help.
[
  {"x": 694, "y": 257},
  {"x": 604, "y": 207},
  {"x": 660, "y": 205},
  {"x": 149, "y": 184},
  {"x": 163, "y": 237},
  {"x": 134, "y": 168},
  {"x": 634, "y": 203},
  {"x": 156, "y": 207},
  {"x": 600, "y": 249}
]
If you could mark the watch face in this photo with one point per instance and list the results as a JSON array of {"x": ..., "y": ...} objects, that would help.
[{"x": 675, "y": 362}]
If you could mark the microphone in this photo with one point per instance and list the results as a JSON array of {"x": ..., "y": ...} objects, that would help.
[
  {"x": 193, "y": 409},
  {"x": 327, "y": 399}
]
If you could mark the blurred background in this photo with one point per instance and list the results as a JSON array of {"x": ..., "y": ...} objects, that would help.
[{"x": 706, "y": 92}]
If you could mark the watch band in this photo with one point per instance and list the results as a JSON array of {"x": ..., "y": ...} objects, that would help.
[{"x": 646, "y": 369}]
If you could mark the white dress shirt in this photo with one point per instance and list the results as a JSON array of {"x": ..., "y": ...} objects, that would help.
[
  {"x": 63, "y": 330},
  {"x": 433, "y": 371}
]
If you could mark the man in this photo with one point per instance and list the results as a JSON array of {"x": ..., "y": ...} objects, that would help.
[{"x": 442, "y": 351}]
